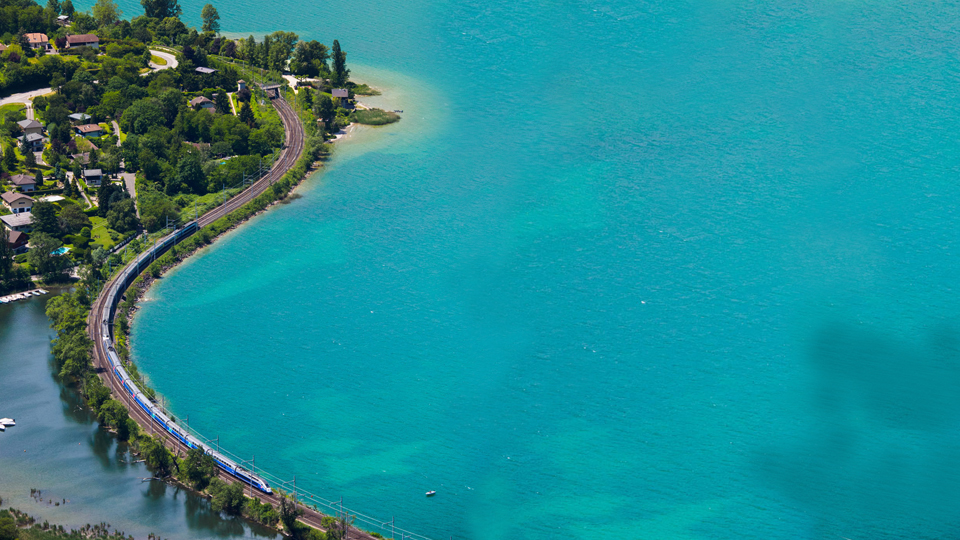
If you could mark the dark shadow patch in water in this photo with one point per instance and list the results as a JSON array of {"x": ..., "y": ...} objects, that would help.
[{"x": 877, "y": 427}]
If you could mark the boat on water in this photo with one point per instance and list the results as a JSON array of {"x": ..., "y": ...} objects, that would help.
[
  {"x": 431, "y": 493},
  {"x": 2, "y": 428},
  {"x": 7, "y": 422}
]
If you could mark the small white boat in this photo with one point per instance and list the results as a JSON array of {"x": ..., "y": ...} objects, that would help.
[
  {"x": 7, "y": 422},
  {"x": 431, "y": 493},
  {"x": 2, "y": 428},
  {"x": 36, "y": 293}
]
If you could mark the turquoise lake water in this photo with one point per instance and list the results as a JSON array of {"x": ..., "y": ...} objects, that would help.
[{"x": 625, "y": 269}]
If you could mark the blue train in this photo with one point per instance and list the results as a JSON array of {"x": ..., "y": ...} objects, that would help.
[{"x": 162, "y": 420}]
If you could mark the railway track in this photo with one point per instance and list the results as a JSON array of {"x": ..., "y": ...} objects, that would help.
[{"x": 102, "y": 309}]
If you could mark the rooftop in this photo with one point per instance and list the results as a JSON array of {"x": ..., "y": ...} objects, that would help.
[
  {"x": 341, "y": 93},
  {"x": 29, "y": 124},
  {"x": 92, "y": 172},
  {"x": 30, "y": 137},
  {"x": 79, "y": 116},
  {"x": 11, "y": 196},
  {"x": 37, "y": 38},
  {"x": 200, "y": 100},
  {"x": 205, "y": 70},
  {"x": 89, "y": 128},
  {"x": 22, "y": 180},
  {"x": 17, "y": 220},
  {"x": 82, "y": 38},
  {"x": 16, "y": 237}
]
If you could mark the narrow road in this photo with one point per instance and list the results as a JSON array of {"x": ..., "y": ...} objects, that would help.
[
  {"x": 102, "y": 310},
  {"x": 25, "y": 97},
  {"x": 170, "y": 58}
]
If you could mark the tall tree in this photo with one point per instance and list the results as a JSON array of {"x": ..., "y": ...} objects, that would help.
[
  {"x": 211, "y": 19},
  {"x": 246, "y": 114},
  {"x": 325, "y": 109},
  {"x": 6, "y": 254},
  {"x": 66, "y": 8},
  {"x": 10, "y": 157},
  {"x": 222, "y": 102},
  {"x": 161, "y": 9},
  {"x": 190, "y": 173},
  {"x": 54, "y": 5},
  {"x": 340, "y": 71},
  {"x": 107, "y": 12},
  {"x": 45, "y": 218}
]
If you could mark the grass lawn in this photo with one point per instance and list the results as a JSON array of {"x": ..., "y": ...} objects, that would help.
[
  {"x": 157, "y": 60},
  {"x": 14, "y": 109},
  {"x": 99, "y": 234}
]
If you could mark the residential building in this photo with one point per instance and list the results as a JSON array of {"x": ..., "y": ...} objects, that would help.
[
  {"x": 38, "y": 41},
  {"x": 89, "y": 130},
  {"x": 17, "y": 202},
  {"x": 34, "y": 141},
  {"x": 202, "y": 102},
  {"x": 25, "y": 183},
  {"x": 83, "y": 40},
  {"x": 241, "y": 84},
  {"x": 22, "y": 222},
  {"x": 79, "y": 118},
  {"x": 17, "y": 242},
  {"x": 205, "y": 70},
  {"x": 92, "y": 177},
  {"x": 31, "y": 127}
]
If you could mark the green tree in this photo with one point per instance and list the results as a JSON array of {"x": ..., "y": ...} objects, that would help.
[
  {"x": 72, "y": 219},
  {"x": 211, "y": 19},
  {"x": 113, "y": 413},
  {"x": 190, "y": 173},
  {"x": 198, "y": 468},
  {"x": 66, "y": 8},
  {"x": 29, "y": 159},
  {"x": 161, "y": 9},
  {"x": 109, "y": 194},
  {"x": 289, "y": 512},
  {"x": 325, "y": 109},
  {"x": 158, "y": 458},
  {"x": 10, "y": 157},
  {"x": 141, "y": 116},
  {"x": 310, "y": 58},
  {"x": 45, "y": 218},
  {"x": 340, "y": 72},
  {"x": 8, "y": 527},
  {"x": 281, "y": 45},
  {"x": 6, "y": 254},
  {"x": 246, "y": 114},
  {"x": 222, "y": 103},
  {"x": 226, "y": 497},
  {"x": 42, "y": 258},
  {"x": 107, "y": 12},
  {"x": 38, "y": 178},
  {"x": 54, "y": 5},
  {"x": 122, "y": 216}
]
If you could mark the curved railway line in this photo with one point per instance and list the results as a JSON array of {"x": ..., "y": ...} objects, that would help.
[{"x": 103, "y": 308}]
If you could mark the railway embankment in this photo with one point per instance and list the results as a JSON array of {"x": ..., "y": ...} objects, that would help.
[{"x": 295, "y": 162}]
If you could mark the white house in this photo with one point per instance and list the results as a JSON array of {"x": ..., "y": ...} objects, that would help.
[{"x": 17, "y": 202}]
